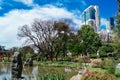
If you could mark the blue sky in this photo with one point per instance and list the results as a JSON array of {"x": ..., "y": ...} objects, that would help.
[{"x": 15, "y": 13}]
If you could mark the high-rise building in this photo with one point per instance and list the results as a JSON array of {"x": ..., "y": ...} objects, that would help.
[
  {"x": 90, "y": 16},
  {"x": 110, "y": 24}
]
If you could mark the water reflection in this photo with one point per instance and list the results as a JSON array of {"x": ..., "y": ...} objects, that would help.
[
  {"x": 31, "y": 73},
  {"x": 5, "y": 72}
]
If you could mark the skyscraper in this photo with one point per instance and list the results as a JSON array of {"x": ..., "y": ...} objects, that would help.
[
  {"x": 90, "y": 16},
  {"x": 110, "y": 24}
]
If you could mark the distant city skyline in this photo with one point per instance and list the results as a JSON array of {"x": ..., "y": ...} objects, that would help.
[{"x": 15, "y": 13}]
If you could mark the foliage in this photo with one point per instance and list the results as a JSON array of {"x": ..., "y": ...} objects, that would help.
[
  {"x": 118, "y": 19},
  {"x": 117, "y": 73},
  {"x": 86, "y": 59},
  {"x": 94, "y": 75},
  {"x": 94, "y": 56},
  {"x": 28, "y": 55},
  {"x": 26, "y": 52},
  {"x": 51, "y": 76},
  {"x": 104, "y": 49},
  {"x": 109, "y": 65},
  {"x": 118, "y": 51},
  {"x": 90, "y": 39},
  {"x": 79, "y": 59},
  {"x": 74, "y": 45},
  {"x": 61, "y": 40},
  {"x": 49, "y": 37}
]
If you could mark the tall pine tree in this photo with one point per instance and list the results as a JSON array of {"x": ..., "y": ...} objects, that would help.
[{"x": 118, "y": 19}]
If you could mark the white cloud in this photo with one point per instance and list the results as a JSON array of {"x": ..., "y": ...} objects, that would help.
[
  {"x": 27, "y": 2},
  {"x": 11, "y": 21},
  {"x": 103, "y": 21}
]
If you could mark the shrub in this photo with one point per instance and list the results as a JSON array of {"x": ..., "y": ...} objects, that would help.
[
  {"x": 103, "y": 54},
  {"x": 109, "y": 65},
  {"x": 86, "y": 59},
  {"x": 94, "y": 75},
  {"x": 95, "y": 62},
  {"x": 117, "y": 73},
  {"x": 93, "y": 55},
  {"x": 111, "y": 68},
  {"x": 78, "y": 59}
]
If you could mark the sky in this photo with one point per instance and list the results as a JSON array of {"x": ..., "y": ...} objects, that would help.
[{"x": 16, "y": 13}]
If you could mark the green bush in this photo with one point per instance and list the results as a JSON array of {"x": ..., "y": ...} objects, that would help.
[
  {"x": 111, "y": 68},
  {"x": 102, "y": 54},
  {"x": 93, "y": 55},
  {"x": 117, "y": 73},
  {"x": 109, "y": 65}
]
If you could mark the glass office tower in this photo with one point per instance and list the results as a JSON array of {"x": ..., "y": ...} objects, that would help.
[{"x": 90, "y": 16}]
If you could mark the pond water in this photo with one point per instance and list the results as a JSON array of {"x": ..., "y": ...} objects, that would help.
[{"x": 31, "y": 73}]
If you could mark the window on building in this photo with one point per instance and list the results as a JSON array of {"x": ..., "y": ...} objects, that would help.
[{"x": 92, "y": 13}]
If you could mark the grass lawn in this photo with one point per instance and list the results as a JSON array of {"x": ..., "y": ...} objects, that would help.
[
  {"x": 117, "y": 72},
  {"x": 97, "y": 69},
  {"x": 60, "y": 64},
  {"x": 5, "y": 62}
]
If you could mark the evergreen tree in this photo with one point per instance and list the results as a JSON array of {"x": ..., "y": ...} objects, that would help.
[
  {"x": 118, "y": 19},
  {"x": 90, "y": 39}
]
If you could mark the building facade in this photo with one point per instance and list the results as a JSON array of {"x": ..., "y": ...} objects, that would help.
[
  {"x": 110, "y": 23},
  {"x": 90, "y": 16},
  {"x": 107, "y": 34}
]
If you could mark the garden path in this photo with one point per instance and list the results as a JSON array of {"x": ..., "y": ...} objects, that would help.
[{"x": 79, "y": 75}]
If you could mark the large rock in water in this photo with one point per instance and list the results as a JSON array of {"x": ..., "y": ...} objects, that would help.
[{"x": 17, "y": 65}]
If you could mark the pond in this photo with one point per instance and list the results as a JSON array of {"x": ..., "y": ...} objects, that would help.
[{"x": 31, "y": 73}]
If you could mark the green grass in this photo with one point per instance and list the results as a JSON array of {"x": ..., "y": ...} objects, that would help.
[
  {"x": 5, "y": 62},
  {"x": 60, "y": 64},
  {"x": 117, "y": 72},
  {"x": 97, "y": 69}
]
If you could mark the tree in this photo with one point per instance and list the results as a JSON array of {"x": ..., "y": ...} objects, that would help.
[
  {"x": 105, "y": 49},
  {"x": 118, "y": 29},
  {"x": 41, "y": 34},
  {"x": 26, "y": 50},
  {"x": 49, "y": 37},
  {"x": 74, "y": 44},
  {"x": 62, "y": 38},
  {"x": 118, "y": 18},
  {"x": 90, "y": 39}
]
